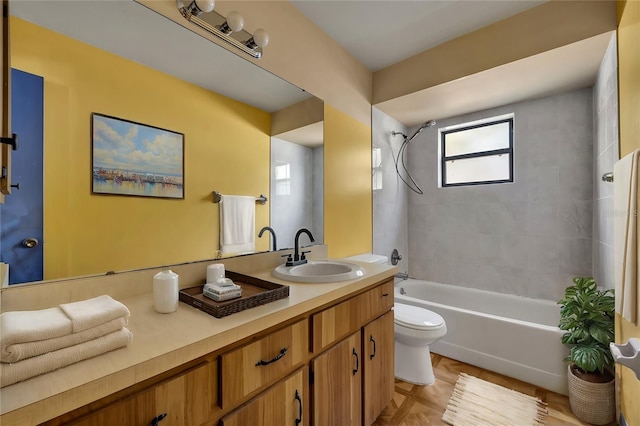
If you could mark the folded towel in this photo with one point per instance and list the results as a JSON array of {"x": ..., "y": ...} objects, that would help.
[
  {"x": 19, "y": 351},
  {"x": 626, "y": 204},
  {"x": 32, "y": 326},
  {"x": 237, "y": 224},
  {"x": 90, "y": 313},
  {"x": 16, "y": 372}
]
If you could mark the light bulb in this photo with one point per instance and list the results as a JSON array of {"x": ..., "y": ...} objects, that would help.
[
  {"x": 235, "y": 21},
  {"x": 261, "y": 37},
  {"x": 205, "y": 5}
]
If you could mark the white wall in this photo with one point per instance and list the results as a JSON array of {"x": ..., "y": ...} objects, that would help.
[
  {"x": 529, "y": 237},
  {"x": 605, "y": 153}
]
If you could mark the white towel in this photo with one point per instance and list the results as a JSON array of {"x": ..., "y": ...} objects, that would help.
[
  {"x": 19, "y": 351},
  {"x": 626, "y": 206},
  {"x": 237, "y": 224},
  {"x": 90, "y": 313},
  {"x": 16, "y": 372},
  {"x": 32, "y": 326}
]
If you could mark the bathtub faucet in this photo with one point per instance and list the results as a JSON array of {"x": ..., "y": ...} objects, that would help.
[{"x": 402, "y": 275}]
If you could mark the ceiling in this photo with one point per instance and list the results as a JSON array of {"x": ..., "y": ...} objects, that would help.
[
  {"x": 381, "y": 33},
  {"x": 378, "y": 33},
  {"x": 112, "y": 25}
]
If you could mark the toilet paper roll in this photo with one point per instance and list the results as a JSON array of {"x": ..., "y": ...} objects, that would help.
[{"x": 215, "y": 271}]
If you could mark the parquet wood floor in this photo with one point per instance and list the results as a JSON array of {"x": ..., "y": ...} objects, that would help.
[{"x": 415, "y": 405}]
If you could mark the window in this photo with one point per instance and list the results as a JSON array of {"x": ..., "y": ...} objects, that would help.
[
  {"x": 282, "y": 178},
  {"x": 477, "y": 153},
  {"x": 377, "y": 168}
]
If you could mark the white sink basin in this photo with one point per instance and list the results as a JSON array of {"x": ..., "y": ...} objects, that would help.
[{"x": 319, "y": 271}]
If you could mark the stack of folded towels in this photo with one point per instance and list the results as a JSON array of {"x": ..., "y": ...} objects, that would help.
[{"x": 36, "y": 342}]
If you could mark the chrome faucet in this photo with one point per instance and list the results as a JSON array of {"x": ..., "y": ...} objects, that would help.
[
  {"x": 273, "y": 234},
  {"x": 299, "y": 259}
]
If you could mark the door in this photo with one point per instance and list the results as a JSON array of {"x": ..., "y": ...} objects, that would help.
[
  {"x": 21, "y": 216},
  {"x": 378, "y": 366},
  {"x": 337, "y": 384}
]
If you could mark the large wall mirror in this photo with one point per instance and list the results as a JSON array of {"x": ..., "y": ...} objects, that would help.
[{"x": 125, "y": 60}]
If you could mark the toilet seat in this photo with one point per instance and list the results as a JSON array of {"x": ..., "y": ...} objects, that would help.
[{"x": 416, "y": 318}]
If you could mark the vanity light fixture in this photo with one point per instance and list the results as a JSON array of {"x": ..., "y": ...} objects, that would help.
[{"x": 230, "y": 29}]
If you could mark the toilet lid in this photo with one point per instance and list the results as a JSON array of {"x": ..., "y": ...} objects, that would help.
[{"x": 415, "y": 317}]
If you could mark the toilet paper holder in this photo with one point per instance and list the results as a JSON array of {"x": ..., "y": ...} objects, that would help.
[{"x": 627, "y": 354}]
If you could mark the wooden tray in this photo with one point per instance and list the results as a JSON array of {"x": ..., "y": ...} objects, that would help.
[{"x": 255, "y": 292}]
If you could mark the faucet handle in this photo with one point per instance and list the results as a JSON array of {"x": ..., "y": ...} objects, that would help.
[
  {"x": 302, "y": 256},
  {"x": 289, "y": 259}
]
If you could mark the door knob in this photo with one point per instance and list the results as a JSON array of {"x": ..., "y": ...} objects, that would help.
[{"x": 30, "y": 242}]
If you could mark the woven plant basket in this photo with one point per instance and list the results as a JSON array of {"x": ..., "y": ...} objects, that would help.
[{"x": 593, "y": 403}]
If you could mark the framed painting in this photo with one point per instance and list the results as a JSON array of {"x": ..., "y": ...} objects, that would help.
[{"x": 129, "y": 158}]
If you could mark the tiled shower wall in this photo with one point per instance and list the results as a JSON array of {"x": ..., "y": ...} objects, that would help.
[
  {"x": 389, "y": 202},
  {"x": 302, "y": 207},
  {"x": 529, "y": 237},
  {"x": 605, "y": 152}
]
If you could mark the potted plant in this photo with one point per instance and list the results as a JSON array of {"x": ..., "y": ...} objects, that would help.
[{"x": 587, "y": 316}]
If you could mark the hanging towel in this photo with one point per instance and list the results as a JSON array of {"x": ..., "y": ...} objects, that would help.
[
  {"x": 19, "y": 351},
  {"x": 90, "y": 313},
  {"x": 237, "y": 224},
  {"x": 22, "y": 370},
  {"x": 626, "y": 206},
  {"x": 32, "y": 326}
]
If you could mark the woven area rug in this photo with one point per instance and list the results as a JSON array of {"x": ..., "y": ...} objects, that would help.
[{"x": 475, "y": 402}]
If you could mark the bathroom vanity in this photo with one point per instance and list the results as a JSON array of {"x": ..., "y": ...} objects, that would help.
[{"x": 322, "y": 356}]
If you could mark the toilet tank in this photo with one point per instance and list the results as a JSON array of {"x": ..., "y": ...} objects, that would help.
[{"x": 369, "y": 258}]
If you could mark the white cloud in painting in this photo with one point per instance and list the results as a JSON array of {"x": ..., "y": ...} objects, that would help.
[{"x": 129, "y": 146}]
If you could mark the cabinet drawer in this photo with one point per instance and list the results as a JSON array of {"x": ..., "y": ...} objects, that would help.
[
  {"x": 260, "y": 363},
  {"x": 345, "y": 318},
  {"x": 189, "y": 399},
  {"x": 286, "y": 403}
]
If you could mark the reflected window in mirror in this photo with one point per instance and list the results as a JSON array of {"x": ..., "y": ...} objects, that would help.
[{"x": 297, "y": 190}]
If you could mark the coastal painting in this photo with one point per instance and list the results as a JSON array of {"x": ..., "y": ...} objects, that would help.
[{"x": 136, "y": 159}]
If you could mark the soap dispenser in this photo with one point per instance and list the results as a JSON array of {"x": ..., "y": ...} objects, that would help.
[{"x": 165, "y": 292}]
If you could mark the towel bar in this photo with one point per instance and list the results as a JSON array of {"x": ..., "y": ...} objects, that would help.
[{"x": 218, "y": 196}]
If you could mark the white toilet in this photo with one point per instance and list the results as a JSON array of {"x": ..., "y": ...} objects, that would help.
[{"x": 415, "y": 329}]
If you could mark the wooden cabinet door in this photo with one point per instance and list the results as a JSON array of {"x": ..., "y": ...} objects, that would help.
[
  {"x": 378, "y": 366},
  {"x": 189, "y": 399},
  {"x": 284, "y": 404},
  {"x": 337, "y": 384}
]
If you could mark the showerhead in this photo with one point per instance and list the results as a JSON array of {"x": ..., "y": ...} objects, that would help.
[{"x": 421, "y": 128}]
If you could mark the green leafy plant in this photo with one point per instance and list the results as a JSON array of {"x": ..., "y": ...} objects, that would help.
[{"x": 587, "y": 316}]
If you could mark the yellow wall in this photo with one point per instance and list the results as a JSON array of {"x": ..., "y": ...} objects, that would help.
[
  {"x": 226, "y": 149},
  {"x": 629, "y": 107},
  {"x": 347, "y": 184}
]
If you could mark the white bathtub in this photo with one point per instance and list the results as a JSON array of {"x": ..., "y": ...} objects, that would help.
[{"x": 511, "y": 335}]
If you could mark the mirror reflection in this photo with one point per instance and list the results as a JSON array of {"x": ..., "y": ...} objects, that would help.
[
  {"x": 297, "y": 163},
  {"x": 80, "y": 53}
]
